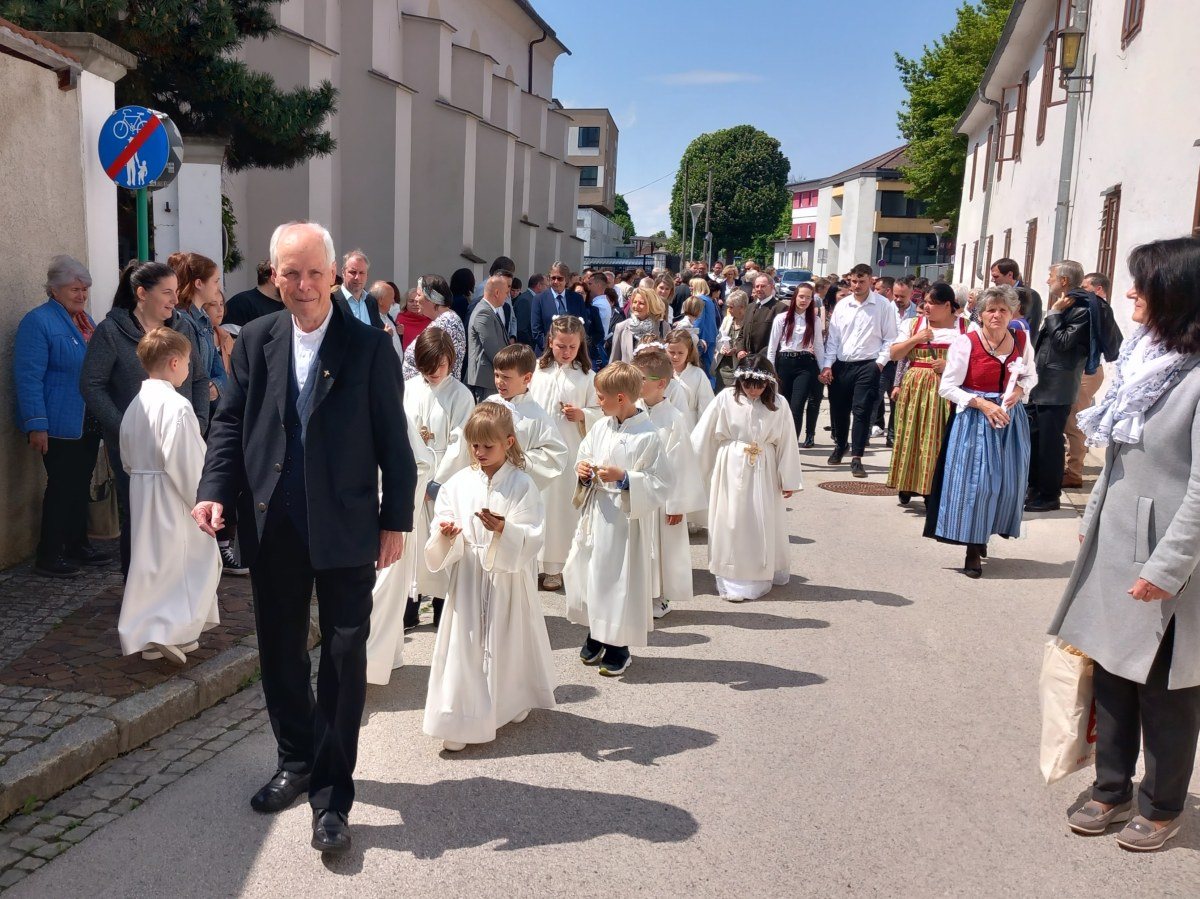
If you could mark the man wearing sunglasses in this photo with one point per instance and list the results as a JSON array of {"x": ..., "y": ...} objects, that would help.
[{"x": 555, "y": 300}]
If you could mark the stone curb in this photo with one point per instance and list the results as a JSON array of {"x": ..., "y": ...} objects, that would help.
[{"x": 69, "y": 755}]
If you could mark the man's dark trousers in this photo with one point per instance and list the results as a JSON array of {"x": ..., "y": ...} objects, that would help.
[
  {"x": 887, "y": 378},
  {"x": 855, "y": 389},
  {"x": 1047, "y": 456}
]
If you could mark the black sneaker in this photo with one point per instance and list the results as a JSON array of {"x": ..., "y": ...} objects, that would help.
[
  {"x": 856, "y": 468},
  {"x": 616, "y": 661},
  {"x": 835, "y": 458},
  {"x": 230, "y": 563},
  {"x": 59, "y": 567},
  {"x": 808, "y": 443},
  {"x": 592, "y": 651}
]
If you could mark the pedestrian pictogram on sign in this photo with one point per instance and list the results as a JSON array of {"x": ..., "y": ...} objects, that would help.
[{"x": 134, "y": 147}]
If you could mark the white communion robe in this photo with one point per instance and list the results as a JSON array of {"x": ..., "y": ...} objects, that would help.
[
  {"x": 609, "y": 574},
  {"x": 687, "y": 495},
  {"x": 545, "y": 452},
  {"x": 441, "y": 411},
  {"x": 551, "y": 387},
  {"x": 397, "y": 583},
  {"x": 491, "y": 661},
  {"x": 752, "y": 456},
  {"x": 697, "y": 394},
  {"x": 171, "y": 591}
]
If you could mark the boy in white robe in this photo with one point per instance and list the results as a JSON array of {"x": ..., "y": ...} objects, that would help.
[
  {"x": 171, "y": 590},
  {"x": 687, "y": 494},
  {"x": 537, "y": 436},
  {"x": 438, "y": 405},
  {"x": 624, "y": 479},
  {"x": 747, "y": 440},
  {"x": 396, "y": 586},
  {"x": 564, "y": 386},
  {"x": 491, "y": 662}
]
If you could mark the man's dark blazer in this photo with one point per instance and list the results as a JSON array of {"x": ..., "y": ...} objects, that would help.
[
  {"x": 339, "y": 298},
  {"x": 544, "y": 310},
  {"x": 523, "y": 307},
  {"x": 356, "y": 430},
  {"x": 756, "y": 326}
]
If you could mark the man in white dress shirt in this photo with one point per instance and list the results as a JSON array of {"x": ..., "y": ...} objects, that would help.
[{"x": 861, "y": 331}]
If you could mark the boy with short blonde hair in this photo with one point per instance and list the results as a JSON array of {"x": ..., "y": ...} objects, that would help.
[{"x": 624, "y": 481}]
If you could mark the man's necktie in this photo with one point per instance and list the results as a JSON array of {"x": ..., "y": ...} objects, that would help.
[{"x": 558, "y": 300}]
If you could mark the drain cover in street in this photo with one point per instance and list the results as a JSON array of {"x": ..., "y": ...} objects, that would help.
[{"x": 858, "y": 488}]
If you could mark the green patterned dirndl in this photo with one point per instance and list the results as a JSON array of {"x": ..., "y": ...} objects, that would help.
[{"x": 920, "y": 419}]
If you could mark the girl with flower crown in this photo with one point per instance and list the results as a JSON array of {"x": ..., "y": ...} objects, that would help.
[{"x": 747, "y": 440}]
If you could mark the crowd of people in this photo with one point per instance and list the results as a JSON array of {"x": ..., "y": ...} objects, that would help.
[{"x": 568, "y": 433}]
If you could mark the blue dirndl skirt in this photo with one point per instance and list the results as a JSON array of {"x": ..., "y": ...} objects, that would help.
[{"x": 984, "y": 475}]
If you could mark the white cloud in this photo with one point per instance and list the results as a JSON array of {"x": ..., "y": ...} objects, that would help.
[
  {"x": 696, "y": 77},
  {"x": 629, "y": 118}
]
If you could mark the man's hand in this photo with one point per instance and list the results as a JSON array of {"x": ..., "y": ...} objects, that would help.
[
  {"x": 610, "y": 474},
  {"x": 213, "y": 393},
  {"x": 40, "y": 441},
  {"x": 826, "y": 375},
  {"x": 210, "y": 516},
  {"x": 1063, "y": 303},
  {"x": 674, "y": 519},
  {"x": 1145, "y": 591},
  {"x": 391, "y": 548}
]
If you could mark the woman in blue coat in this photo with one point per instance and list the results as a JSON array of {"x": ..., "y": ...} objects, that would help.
[{"x": 47, "y": 360}]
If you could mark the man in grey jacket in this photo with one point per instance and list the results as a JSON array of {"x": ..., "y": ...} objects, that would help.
[
  {"x": 1062, "y": 351},
  {"x": 486, "y": 336}
]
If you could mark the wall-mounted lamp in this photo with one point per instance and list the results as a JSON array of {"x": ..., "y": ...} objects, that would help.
[{"x": 1070, "y": 46}]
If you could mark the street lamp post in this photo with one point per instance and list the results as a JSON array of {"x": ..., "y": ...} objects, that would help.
[
  {"x": 939, "y": 228},
  {"x": 883, "y": 241},
  {"x": 696, "y": 209}
]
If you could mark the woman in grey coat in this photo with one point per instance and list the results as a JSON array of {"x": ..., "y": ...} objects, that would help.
[
  {"x": 112, "y": 375},
  {"x": 1132, "y": 604}
]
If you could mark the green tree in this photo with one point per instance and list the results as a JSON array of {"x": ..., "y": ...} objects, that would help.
[
  {"x": 940, "y": 84},
  {"x": 749, "y": 186},
  {"x": 186, "y": 68},
  {"x": 762, "y": 248},
  {"x": 622, "y": 217}
]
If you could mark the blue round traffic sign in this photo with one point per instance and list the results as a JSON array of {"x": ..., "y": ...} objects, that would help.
[{"x": 134, "y": 146}]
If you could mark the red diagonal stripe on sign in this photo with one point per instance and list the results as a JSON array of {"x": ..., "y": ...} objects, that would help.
[{"x": 133, "y": 146}]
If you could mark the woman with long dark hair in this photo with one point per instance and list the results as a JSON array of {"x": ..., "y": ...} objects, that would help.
[
  {"x": 1133, "y": 601},
  {"x": 112, "y": 375},
  {"x": 797, "y": 350}
]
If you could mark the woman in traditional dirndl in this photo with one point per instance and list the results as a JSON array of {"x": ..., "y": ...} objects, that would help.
[
  {"x": 983, "y": 469},
  {"x": 920, "y": 412}
]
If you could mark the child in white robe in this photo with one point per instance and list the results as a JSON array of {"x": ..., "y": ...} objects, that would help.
[
  {"x": 747, "y": 440},
  {"x": 396, "y": 586},
  {"x": 491, "y": 662},
  {"x": 171, "y": 590},
  {"x": 696, "y": 394},
  {"x": 438, "y": 404},
  {"x": 687, "y": 494},
  {"x": 624, "y": 479},
  {"x": 564, "y": 386}
]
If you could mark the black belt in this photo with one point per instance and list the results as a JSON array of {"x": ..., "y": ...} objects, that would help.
[{"x": 795, "y": 353}]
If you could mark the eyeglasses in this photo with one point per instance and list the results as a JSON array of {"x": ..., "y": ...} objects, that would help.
[{"x": 557, "y": 278}]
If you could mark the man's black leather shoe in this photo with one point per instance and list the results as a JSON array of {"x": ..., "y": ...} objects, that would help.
[
  {"x": 331, "y": 832},
  {"x": 87, "y": 555},
  {"x": 1043, "y": 505},
  {"x": 58, "y": 567},
  {"x": 835, "y": 458},
  {"x": 280, "y": 792}
]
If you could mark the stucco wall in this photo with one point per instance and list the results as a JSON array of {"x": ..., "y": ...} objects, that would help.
[{"x": 42, "y": 214}]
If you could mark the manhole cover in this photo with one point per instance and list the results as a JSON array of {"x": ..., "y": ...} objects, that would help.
[{"x": 858, "y": 488}]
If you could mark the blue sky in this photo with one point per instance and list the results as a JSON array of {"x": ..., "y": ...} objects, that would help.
[{"x": 819, "y": 75}]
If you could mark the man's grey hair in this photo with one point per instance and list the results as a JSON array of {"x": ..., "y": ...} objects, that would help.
[
  {"x": 561, "y": 267},
  {"x": 1071, "y": 270},
  {"x": 765, "y": 275},
  {"x": 313, "y": 227},
  {"x": 356, "y": 254},
  {"x": 737, "y": 298},
  {"x": 961, "y": 294},
  {"x": 1003, "y": 293},
  {"x": 64, "y": 270}
]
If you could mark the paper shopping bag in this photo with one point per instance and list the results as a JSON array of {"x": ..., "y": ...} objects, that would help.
[{"x": 1068, "y": 711}]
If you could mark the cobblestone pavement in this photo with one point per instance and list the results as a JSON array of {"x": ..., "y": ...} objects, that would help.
[{"x": 30, "y": 839}]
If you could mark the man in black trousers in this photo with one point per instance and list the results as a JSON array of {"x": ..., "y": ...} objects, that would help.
[{"x": 312, "y": 415}]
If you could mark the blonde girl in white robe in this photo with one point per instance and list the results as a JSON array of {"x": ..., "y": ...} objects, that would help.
[
  {"x": 694, "y": 397},
  {"x": 491, "y": 662},
  {"x": 688, "y": 494},
  {"x": 438, "y": 405},
  {"x": 750, "y": 450},
  {"x": 171, "y": 590},
  {"x": 396, "y": 585},
  {"x": 564, "y": 386}
]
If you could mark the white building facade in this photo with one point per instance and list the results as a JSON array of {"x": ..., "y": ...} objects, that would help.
[
  {"x": 1135, "y": 163},
  {"x": 450, "y": 148},
  {"x": 600, "y": 235}
]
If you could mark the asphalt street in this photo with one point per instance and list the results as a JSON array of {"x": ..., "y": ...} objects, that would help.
[{"x": 870, "y": 729}]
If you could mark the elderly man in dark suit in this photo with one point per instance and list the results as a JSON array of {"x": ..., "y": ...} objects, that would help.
[
  {"x": 310, "y": 510},
  {"x": 486, "y": 336},
  {"x": 555, "y": 301}
]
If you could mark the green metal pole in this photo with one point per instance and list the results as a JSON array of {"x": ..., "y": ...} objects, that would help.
[{"x": 143, "y": 225}]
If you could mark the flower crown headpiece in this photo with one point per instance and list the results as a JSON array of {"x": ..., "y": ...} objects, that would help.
[
  {"x": 501, "y": 401},
  {"x": 568, "y": 315},
  {"x": 651, "y": 345},
  {"x": 754, "y": 374},
  {"x": 434, "y": 297}
]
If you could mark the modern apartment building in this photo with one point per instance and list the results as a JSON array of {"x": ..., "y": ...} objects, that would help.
[{"x": 592, "y": 148}]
